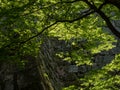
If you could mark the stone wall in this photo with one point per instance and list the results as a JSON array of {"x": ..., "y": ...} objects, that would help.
[
  {"x": 49, "y": 72},
  {"x": 66, "y": 72}
]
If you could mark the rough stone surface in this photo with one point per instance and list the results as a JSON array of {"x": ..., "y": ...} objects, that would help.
[{"x": 55, "y": 69}]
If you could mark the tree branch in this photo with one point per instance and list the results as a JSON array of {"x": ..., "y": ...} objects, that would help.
[
  {"x": 70, "y": 21},
  {"x": 104, "y": 17},
  {"x": 114, "y": 2},
  {"x": 22, "y": 42},
  {"x": 76, "y": 19},
  {"x": 38, "y": 33},
  {"x": 103, "y": 4}
]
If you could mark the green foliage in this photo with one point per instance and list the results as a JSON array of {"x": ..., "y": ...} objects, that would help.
[
  {"x": 23, "y": 25},
  {"x": 16, "y": 27},
  {"x": 107, "y": 78},
  {"x": 85, "y": 40},
  {"x": 72, "y": 87}
]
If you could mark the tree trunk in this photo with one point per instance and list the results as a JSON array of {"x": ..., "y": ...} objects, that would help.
[
  {"x": 15, "y": 84},
  {"x": 46, "y": 68}
]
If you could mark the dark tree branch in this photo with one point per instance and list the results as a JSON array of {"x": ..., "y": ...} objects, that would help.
[
  {"x": 51, "y": 5},
  {"x": 38, "y": 33},
  {"x": 114, "y": 2},
  {"x": 109, "y": 24},
  {"x": 103, "y": 4},
  {"x": 22, "y": 42},
  {"x": 76, "y": 19},
  {"x": 70, "y": 1},
  {"x": 70, "y": 21},
  {"x": 92, "y": 6}
]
